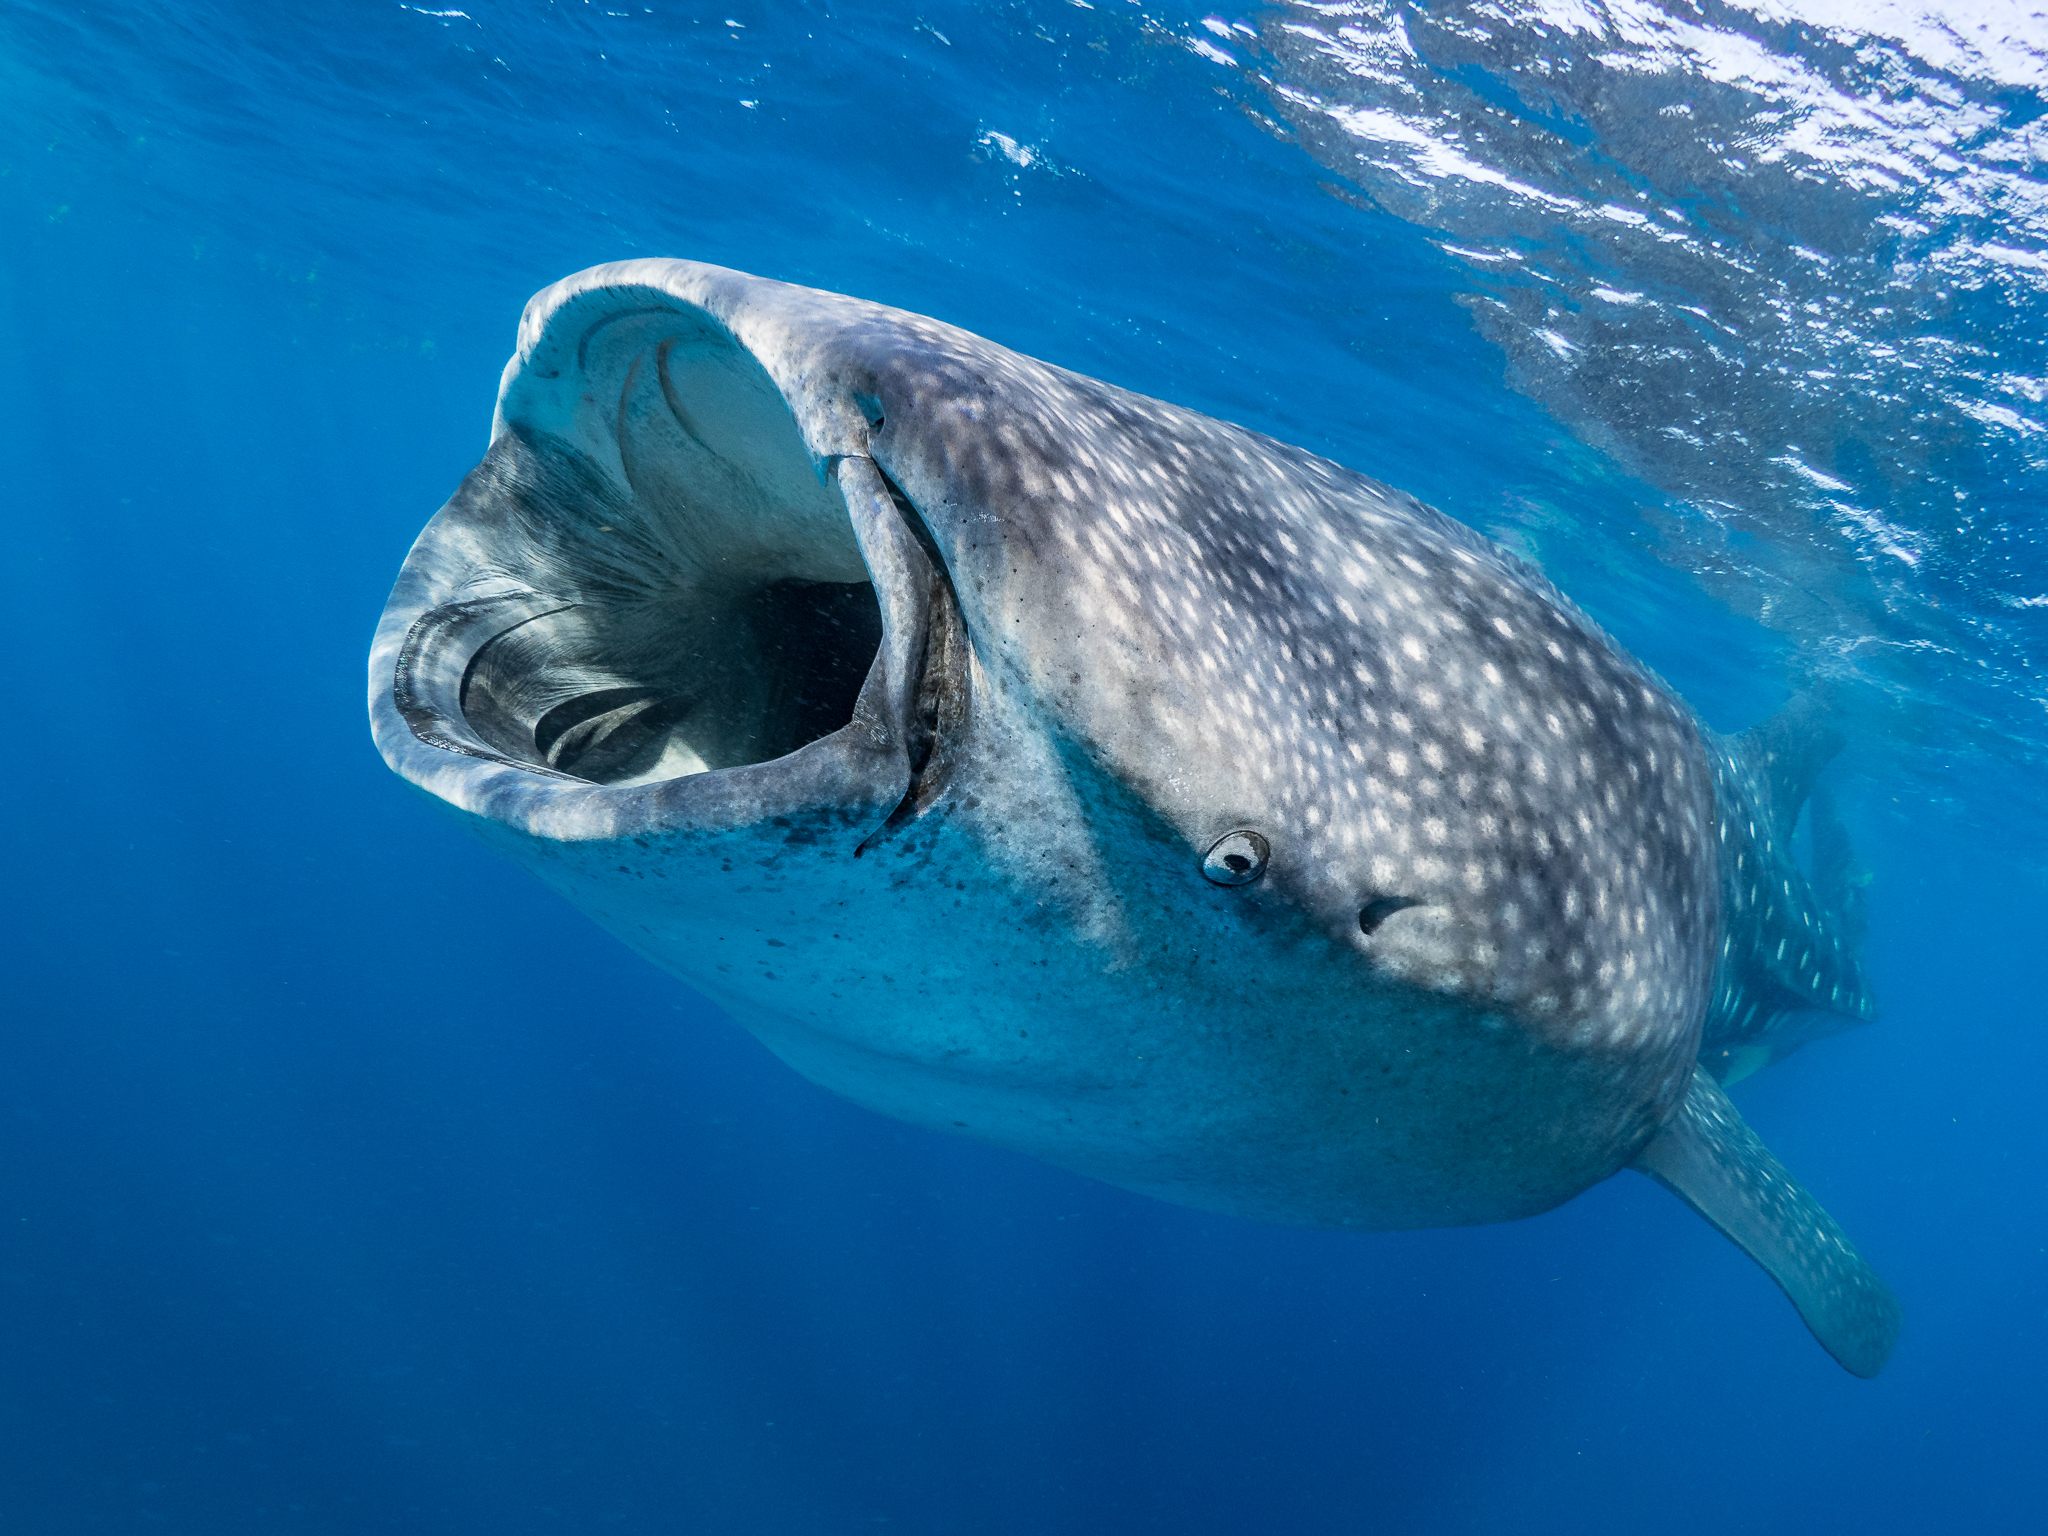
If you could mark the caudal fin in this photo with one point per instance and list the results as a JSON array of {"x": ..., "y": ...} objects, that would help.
[{"x": 1715, "y": 1163}]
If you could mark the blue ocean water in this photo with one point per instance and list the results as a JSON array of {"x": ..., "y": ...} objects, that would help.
[{"x": 350, "y": 1182}]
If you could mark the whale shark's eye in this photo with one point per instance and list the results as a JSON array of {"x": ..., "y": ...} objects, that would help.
[{"x": 1236, "y": 858}]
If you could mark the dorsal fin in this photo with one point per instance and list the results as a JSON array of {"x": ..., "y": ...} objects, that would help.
[
  {"x": 1789, "y": 968},
  {"x": 1785, "y": 754},
  {"x": 1838, "y": 880},
  {"x": 1716, "y": 1164}
]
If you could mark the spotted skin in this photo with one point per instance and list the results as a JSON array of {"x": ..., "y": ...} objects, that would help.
[
  {"x": 1426, "y": 716},
  {"x": 1478, "y": 928},
  {"x": 1788, "y": 966}
]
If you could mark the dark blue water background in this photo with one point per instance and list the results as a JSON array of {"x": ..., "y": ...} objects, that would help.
[{"x": 351, "y": 1183}]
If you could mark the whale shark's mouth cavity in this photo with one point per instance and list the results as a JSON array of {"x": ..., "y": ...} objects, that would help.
[
  {"x": 662, "y": 584},
  {"x": 633, "y": 688}
]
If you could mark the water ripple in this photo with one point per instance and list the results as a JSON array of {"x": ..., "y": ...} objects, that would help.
[{"x": 1784, "y": 259}]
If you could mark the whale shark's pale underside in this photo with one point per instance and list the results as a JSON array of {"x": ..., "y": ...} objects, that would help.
[{"x": 1024, "y": 757}]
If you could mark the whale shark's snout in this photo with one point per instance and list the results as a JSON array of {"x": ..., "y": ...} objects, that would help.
[
  {"x": 655, "y": 605},
  {"x": 1020, "y": 756}
]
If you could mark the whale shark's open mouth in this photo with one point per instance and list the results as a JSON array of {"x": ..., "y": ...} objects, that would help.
[
  {"x": 647, "y": 581},
  {"x": 718, "y": 615}
]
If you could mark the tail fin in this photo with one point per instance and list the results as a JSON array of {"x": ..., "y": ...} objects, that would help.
[{"x": 1789, "y": 938}]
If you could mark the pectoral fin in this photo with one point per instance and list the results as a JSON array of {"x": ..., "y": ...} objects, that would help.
[{"x": 1716, "y": 1164}]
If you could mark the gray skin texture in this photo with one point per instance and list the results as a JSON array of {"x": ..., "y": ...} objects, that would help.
[{"x": 911, "y": 682}]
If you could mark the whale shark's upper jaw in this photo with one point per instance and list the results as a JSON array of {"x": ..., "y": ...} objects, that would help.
[{"x": 655, "y": 606}]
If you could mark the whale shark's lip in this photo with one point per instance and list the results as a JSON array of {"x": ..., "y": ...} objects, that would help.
[{"x": 655, "y": 608}]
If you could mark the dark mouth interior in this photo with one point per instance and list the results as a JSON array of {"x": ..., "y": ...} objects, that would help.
[
  {"x": 709, "y": 607},
  {"x": 621, "y": 694}
]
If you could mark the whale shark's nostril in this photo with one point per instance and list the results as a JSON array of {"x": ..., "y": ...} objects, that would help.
[{"x": 1380, "y": 908}]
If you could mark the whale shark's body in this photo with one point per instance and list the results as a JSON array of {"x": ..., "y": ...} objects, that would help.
[{"x": 1020, "y": 756}]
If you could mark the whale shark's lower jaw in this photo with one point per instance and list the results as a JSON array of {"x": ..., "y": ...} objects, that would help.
[{"x": 647, "y": 608}]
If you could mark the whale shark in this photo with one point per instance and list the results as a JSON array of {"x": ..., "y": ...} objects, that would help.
[{"x": 1029, "y": 759}]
